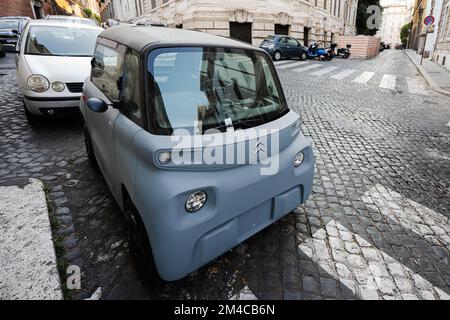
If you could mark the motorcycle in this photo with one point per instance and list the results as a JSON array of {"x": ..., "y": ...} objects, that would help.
[
  {"x": 343, "y": 53},
  {"x": 315, "y": 52}
]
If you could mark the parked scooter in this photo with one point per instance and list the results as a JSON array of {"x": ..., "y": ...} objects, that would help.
[
  {"x": 343, "y": 53},
  {"x": 315, "y": 52}
]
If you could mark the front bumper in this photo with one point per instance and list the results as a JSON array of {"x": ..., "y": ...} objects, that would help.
[
  {"x": 241, "y": 202},
  {"x": 52, "y": 106}
]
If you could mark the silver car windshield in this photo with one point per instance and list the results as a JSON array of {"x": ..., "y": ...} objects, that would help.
[
  {"x": 9, "y": 24},
  {"x": 198, "y": 89},
  {"x": 61, "y": 41}
]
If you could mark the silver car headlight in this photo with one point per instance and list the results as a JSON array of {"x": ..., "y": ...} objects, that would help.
[
  {"x": 38, "y": 83},
  {"x": 195, "y": 201},
  {"x": 298, "y": 159},
  {"x": 58, "y": 86}
]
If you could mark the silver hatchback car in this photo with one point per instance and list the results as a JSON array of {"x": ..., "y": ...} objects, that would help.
[{"x": 195, "y": 140}]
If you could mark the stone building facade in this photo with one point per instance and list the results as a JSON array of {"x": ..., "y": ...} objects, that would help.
[
  {"x": 442, "y": 47},
  {"x": 396, "y": 13},
  {"x": 253, "y": 20}
]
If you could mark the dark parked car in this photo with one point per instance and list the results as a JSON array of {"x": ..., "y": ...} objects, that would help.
[
  {"x": 10, "y": 30},
  {"x": 281, "y": 46}
]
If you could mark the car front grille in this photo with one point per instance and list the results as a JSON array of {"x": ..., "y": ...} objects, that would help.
[{"x": 75, "y": 87}]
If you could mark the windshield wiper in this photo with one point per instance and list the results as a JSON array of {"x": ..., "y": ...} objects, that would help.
[{"x": 237, "y": 124}]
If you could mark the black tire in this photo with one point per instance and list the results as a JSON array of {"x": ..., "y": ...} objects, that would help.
[
  {"x": 89, "y": 148},
  {"x": 31, "y": 119},
  {"x": 140, "y": 245},
  {"x": 303, "y": 56},
  {"x": 2, "y": 54},
  {"x": 276, "y": 55}
]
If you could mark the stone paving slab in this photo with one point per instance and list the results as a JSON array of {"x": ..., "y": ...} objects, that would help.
[{"x": 28, "y": 268}]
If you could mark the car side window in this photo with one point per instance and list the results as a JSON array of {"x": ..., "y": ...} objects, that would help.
[
  {"x": 107, "y": 68},
  {"x": 130, "y": 95},
  {"x": 292, "y": 42},
  {"x": 282, "y": 40}
]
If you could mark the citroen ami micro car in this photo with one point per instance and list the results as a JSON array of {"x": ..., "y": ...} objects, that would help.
[{"x": 195, "y": 140}]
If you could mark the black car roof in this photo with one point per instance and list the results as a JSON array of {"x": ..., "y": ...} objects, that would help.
[{"x": 138, "y": 37}]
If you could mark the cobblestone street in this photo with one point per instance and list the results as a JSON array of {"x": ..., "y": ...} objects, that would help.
[{"x": 377, "y": 225}]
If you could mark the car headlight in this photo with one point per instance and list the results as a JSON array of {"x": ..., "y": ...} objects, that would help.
[
  {"x": 195, "y": 201},
  {"x": 298, "y": 159},
  {"x": 38, "y": 83},
  {"x": 271, "y": 46},
  {"x": 58, "y": 86}
]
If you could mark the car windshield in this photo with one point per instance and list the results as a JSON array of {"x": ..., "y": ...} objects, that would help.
[
  {"x": 212, "y": 88},
  {"x": 61, "y": 41},
  {"x": 9, "y": 24},
  {"x": 269, "y": 38},
  {"x": 74, "y": 20}
]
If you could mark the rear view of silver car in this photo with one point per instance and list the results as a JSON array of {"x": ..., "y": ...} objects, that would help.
[{"x": 195, "y": 140}]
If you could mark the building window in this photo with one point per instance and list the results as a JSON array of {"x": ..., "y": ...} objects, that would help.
[
  {"x": 325, "y": 4},
  {"x": 241, "y": 31},
  {"x": 153, "y": 4},
  {"x": 281, "y": 29}
]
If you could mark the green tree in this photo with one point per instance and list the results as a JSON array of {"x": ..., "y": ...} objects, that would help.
[
  {"x": 362, "y": 17},
  {"x": 404, "y": 33}
]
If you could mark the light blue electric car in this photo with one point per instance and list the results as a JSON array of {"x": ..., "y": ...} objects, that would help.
[{"x": 196, "y": 143}]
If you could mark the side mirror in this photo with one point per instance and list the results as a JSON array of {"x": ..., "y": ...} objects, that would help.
[
  {"x": 97, "y": 105},
  {"x": 11, "y": 48},
  {"x": 93, "y": 62}
]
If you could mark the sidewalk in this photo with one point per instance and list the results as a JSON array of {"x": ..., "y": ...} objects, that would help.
[
  {"x": 437, "y": 76},
  {"x": 28, "y": 268}
]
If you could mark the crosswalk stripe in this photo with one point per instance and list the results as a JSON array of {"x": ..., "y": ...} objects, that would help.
[
  {"x": 343, "y": 74},
  {"x": 294, "y": 64},
  {"x": 364, "y": 77},
  {"x": 416, "y": 87},
  {"x": 311, "y": 66},
  {"x": 388, "y": 81},
  {"x": 277, "y": 63},
  {"x": 324, "y": 71}
]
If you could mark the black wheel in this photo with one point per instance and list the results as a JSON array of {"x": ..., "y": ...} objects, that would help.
[
  {"x": 2, "y": 54},
  {"x": 140, "y": 245},
  {"x": 31, "y": 119},
  {"x": 277, "y": 56},
  {"x": 303, "y": 56},
  {"x": 89, "y": 148}
]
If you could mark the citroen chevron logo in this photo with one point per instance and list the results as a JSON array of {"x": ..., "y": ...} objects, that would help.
[{"x": 258, "y": 147}]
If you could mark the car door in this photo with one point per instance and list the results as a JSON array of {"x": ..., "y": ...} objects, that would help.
[
  {"x": 129, "y": 122},
  {"x": 294, "y": 48},
  {"x": 106, "y": 77},
  {"x": 283, "y": 47}
]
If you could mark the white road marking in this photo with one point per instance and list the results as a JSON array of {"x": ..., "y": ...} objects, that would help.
[
  {"x": 244, "y": 294},
  {"x": 294, "y": 64},
  {"x": 343, "y": 74},
  {"x": 324, "y": 71},
  {"x": 388, "y": 81},
  {"x": 378, "y": 268},
  {"x": 364, "y": 77},
  {"x": 416, "y": 87},
  {"x": 448, "y": 124},
  {"x": 311, "y": 66},
  {"x": 277, "y": 63}
]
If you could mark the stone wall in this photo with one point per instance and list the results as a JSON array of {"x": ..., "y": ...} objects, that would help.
[{"x": 214, "y": 16}]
